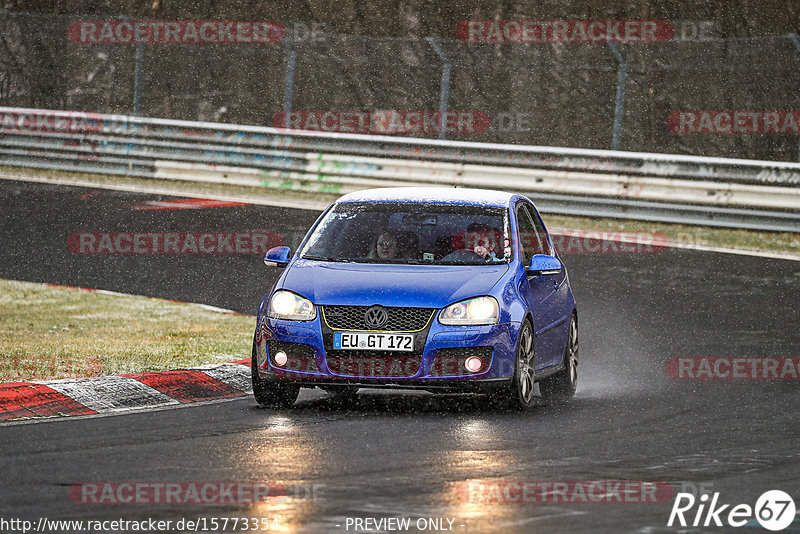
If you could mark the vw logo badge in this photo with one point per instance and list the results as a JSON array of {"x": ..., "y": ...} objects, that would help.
[{"x": 376, "y": 317}]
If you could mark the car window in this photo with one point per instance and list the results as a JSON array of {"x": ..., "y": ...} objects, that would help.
[
  {"x": 544, "y": 240},
  {"x": 530, "y": 239},
  {"x": 411, "y": 233}
]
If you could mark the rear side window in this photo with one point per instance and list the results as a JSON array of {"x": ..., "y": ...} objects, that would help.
[
  {"x": 541, "y": 232},
  {"x": 532, "y": 239}
]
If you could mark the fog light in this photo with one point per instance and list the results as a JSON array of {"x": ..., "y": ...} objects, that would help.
[
  {"x": 281, "y": 358},
  {"x": 473, "y": 364}
]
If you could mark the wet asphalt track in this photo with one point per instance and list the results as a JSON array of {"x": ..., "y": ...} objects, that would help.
[{"x": 405, "y": 454}]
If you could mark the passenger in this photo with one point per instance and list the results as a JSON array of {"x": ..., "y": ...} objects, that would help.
[{"x": 387, "y": 245}]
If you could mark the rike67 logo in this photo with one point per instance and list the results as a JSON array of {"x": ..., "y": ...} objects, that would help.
[{"x": 774, "y": 510}]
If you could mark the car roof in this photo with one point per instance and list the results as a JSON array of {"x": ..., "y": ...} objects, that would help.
[{"x": 436, "y": 195}]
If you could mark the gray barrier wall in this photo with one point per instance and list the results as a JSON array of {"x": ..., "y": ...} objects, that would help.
[{"x": 646, "y": 186}]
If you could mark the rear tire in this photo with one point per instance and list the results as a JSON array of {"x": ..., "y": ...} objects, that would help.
[
  {"x": 561, "y": 386},
  {"x": 271, "y": 394}
]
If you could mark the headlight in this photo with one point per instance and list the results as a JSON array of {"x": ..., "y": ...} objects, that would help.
[
  {"x": 287, "y": 305},
  {"x": 480, "y": 310}
]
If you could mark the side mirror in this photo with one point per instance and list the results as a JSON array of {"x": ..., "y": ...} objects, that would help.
[
  {"x": 544, "y": 264},
  {"x": 278, "y": 257}
]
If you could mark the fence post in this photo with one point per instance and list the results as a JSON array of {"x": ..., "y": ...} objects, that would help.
[
  {"x": 288, "y": 88},
  {"x": 619, "y": 107},
  {"x": 444, "y": 92},
  {"x": 138, "y": 74},
  {"x": 796, "y": 41}
]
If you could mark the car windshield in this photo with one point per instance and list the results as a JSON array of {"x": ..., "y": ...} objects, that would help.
[{"x": 411, "y": 233}]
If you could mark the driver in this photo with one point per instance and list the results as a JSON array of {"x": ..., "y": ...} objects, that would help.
[{"x": 481, "y": 241}]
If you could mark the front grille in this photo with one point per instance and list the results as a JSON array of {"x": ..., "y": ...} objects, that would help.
[
  {"x": 365, "y": 363},
  {"x": 450, "y": 362},
  {"x": 299, "y": 356},
  {"x": 353, "y": 318}
]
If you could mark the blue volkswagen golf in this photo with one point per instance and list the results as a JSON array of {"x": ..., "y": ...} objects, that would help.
[{"x": 439, "y": 289}]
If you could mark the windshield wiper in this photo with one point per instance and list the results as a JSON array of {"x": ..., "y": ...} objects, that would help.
[{"x": 325, "y": 258}]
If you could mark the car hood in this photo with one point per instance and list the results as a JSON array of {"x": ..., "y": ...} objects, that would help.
[{"x": 426, "y": 286}]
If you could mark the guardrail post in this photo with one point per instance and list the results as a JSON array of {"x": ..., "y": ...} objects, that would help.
[
  {"x": 288, "y": 87},
  {"x": 619, "y": 107},
  {"x": 138, "y": 74},
  {"x": 796, "y": 41},
  {"x": 444, "y": 92}
]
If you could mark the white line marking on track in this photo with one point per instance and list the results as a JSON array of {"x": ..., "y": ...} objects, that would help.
[
  {"x": 121, "y": 411},
  {"x": 156, "y": 190}
]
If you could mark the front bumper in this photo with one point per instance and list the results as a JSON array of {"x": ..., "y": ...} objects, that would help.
[{"x": 437, "y": 363}]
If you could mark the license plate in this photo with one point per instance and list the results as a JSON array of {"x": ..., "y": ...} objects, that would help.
[{"x": 373, "y": 341}]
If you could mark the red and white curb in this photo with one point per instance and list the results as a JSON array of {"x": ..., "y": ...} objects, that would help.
[{"x": 109, "y": 394}]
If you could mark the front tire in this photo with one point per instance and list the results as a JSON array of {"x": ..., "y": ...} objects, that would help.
[
  {"x": 519, "y": 395},
  {"x": 271, "y": 394},
  {"x": 561, "y": 386}
]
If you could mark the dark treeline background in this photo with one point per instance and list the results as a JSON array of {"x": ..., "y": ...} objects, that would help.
[
  {"x": 402, "y": 18},
  {"x": 726, "y": 55}
]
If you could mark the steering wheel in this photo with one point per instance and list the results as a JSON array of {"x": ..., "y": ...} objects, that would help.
[{"x": 465, "y": 255}]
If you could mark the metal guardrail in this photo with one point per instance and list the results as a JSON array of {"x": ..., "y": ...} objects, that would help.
[{"x": 597, "y": 183}]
